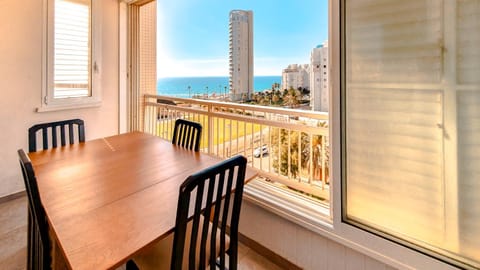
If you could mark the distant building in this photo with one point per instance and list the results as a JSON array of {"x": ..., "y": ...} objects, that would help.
[
  {"x": 241, "y": 54},
  {"x": 296, "y": 76},
  {"x": 319, "y": 90}
]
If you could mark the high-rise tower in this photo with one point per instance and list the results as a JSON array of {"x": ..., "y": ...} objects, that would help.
[
  {"x": 319, "y": 86},
  {"x": 241, "y": 54}
]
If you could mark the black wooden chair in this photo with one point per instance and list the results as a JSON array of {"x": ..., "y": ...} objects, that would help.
[
  {"x": 38, "y": 246},
  {"x": 187, "y": 134},
  {"x": 204, "y": 204},
  {"x": 54, "y": 126}
]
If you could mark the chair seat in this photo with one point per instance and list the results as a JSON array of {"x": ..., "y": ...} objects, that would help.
[{"x": 160, "y": 255}]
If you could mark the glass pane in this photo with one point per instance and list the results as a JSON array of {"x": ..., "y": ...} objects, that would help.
[{"x": 411, "y": 123}]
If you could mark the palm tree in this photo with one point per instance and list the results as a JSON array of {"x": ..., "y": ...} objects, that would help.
[
  {"x": 264, "y": 101},
  {"x": 275, "y": 86},
  {"x": 256, "y": 97},
  {"x": 292, "y": 98},
  {"x": 275, "y": 98}
]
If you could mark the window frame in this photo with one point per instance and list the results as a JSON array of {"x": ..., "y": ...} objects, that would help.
[
  {"x": 48, "y": 102},
  {"x": 398, "y": 253}
]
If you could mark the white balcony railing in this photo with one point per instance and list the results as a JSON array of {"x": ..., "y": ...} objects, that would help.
[{"x": 289, "y": 148}]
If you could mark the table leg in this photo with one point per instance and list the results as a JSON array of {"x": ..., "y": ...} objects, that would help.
[{"x": 58, "y": 260}]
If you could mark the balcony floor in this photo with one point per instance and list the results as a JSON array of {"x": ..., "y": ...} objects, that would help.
[{"x": 13, "y": 240}]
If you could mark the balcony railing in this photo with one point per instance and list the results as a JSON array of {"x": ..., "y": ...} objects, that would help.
[{"x": 289, "y": 148}]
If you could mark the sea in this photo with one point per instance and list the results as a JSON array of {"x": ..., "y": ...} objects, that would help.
[{"x": 179, "y": 86}]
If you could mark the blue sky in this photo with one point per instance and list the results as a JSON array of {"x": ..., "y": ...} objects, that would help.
[{"x": 192, "y": 35}]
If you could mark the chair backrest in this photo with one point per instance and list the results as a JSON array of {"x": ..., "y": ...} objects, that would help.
[
  {"x": 187, "y": 134},
  {"x": 53, "y": 126},
  {"x": 209, "y": 193},
  {"x": 39, "y": 241}
]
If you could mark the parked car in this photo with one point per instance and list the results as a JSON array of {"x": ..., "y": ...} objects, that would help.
[{"x": 260, "y": 151}]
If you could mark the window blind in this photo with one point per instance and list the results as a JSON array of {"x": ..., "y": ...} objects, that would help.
[
  {"x": 394, "y": 41},
  {"x": 72, "y": 48},
  {"x": 412, "y": 121},
  {"x": 468, "y": 115},
  {"x": 468, "y": 40},
  {"x": 469, "y": 172},
  {"x": 394, "y": 161},
  {"x": 394, "y": 145}
]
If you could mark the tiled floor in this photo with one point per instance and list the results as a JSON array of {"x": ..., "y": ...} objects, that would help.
[
  {"x": 13, "y": 241},
  {"x": 13, "y": 234}
]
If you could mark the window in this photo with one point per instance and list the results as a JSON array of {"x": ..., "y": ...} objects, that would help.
[
  {"x": 72, "y": 65},
  {"x": 410, "y": 123}
]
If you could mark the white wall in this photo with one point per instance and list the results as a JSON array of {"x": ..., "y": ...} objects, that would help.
[
  {"x": 21, "y": 83},
  {"x": 304, "y": 248}
]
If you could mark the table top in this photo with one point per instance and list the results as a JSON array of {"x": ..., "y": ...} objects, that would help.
[{"x": 108, "y": 198}]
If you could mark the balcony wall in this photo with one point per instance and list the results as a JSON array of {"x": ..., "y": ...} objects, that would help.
[
  {"x": 21, "y": 83},
  {"x": 303, "y": 247}
]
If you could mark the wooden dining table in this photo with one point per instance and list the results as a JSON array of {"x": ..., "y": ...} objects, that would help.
[{"x": 109, "y": 198}]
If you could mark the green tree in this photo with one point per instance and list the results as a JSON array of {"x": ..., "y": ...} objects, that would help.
[
  {"x": 285, "y": 147},
  {"x": 257, "y": 97},
  {"x": 275, "y": 86},
  {"x": 275, "y": 98},
  {"x": 265, "y": 100},
  {"x": 285, "y": 154},
  {"x": 292, "y": 97}
]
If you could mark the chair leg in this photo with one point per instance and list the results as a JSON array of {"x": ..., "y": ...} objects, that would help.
[
  {"x": 232, "y": 258},
  {"x": 30, "y": 240},
  {"x": 131, "y": 265}
]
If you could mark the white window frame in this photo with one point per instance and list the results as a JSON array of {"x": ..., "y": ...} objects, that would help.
[
  {"x": 392, "y": 253},
  {"x": 48, "y": 102}
]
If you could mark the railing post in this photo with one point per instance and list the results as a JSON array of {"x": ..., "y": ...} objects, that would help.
[
  {"x": 311, "y": 165},
  {"x": 324, "y": 181},
  {"x": 289, "y": 155},
  {"x": 210, "y": 129}
]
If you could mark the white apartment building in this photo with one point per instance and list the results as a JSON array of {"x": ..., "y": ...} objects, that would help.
[
  {"x": 296, "y": 76},
  {"x": 241, "y": 54},
  {"x": 319, "y": 78}
]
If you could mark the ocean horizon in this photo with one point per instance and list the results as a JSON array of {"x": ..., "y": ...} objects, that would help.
[{"x": 179, "y": 86}]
